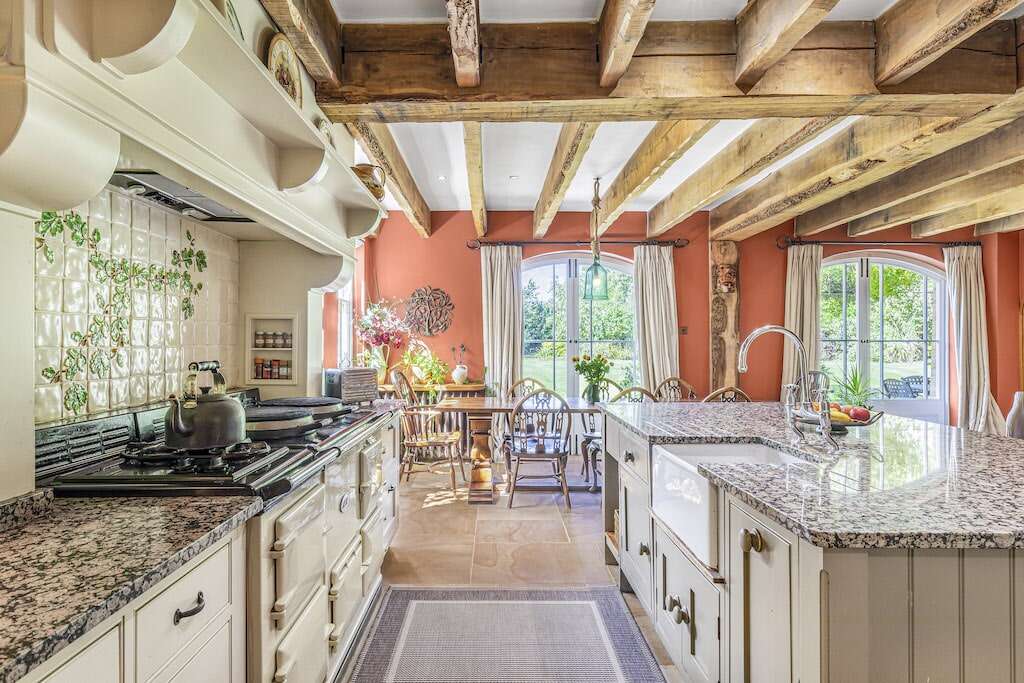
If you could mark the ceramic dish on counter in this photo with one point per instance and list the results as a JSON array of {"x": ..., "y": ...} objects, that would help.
[{"x": 811, "y": 418}]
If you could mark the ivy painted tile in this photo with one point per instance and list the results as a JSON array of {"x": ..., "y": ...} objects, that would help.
[
  {"x": 46, "y": 357},
  {"x": 73, "y": 323}
]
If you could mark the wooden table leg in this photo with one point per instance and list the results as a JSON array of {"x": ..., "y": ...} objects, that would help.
[{"x": 481, "y": 483}]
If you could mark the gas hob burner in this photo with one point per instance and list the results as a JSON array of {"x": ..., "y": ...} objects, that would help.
[
  {"x": 246, "y": 450},
  {"x": 155, "y": 455}
]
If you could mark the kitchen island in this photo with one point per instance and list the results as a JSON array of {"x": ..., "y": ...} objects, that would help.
[
  {"x": 74, "y": 568},
  {"x": 893, "y": 559}
]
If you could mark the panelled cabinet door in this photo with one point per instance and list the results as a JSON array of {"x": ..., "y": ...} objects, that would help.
[
  {"x": 100, "y": 662},
  {"x": 212, "y": 662},
  {"x": 635, "y": 544},
  {"x": 760, "y": 601},
  {"x": 687, "y": 611},
  {"x": 302, "y": 655}
]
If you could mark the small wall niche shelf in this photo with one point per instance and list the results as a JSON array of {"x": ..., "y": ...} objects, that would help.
[{"x": 266, "y": 363}]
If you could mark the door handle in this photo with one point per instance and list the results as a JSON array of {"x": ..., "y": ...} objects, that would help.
[
  {"x": 750, "y": 541},
  {"x": 627, "y": 456},
  {"x": 200, "y": 604},
  {"x": 645, "y": 550}
]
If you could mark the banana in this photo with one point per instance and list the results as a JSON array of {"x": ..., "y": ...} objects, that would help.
[{"x": 839, "y": 417}]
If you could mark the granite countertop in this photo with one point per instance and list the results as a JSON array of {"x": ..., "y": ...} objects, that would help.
[
  {"x": 64, "y": 572},
  {"x": 900, "y": 483}
]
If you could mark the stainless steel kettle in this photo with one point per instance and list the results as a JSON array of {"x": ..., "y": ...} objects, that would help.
[{"x": 204, "y": 418}]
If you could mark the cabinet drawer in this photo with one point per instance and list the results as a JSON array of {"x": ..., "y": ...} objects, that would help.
[
  {"x": 341, "y": 482},
  {"x": 371, "y": 474},
  {"x": 634, "y": 453},
  {"x": 635, "y": 546},
  {"x": 167, "y": 623},
  {"x": 373, "y": 550},
  {"x": 298, "y": 553},
  {"x": 346, "y": 592},
  {"x": 687, "y": 611},
  {"x": 99, "y": 662},
  {"x": 302, "y": 655},
  {"x": 211, "y": 663}
]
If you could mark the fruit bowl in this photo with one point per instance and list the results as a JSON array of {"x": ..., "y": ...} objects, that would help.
[{"x": 811, "y": 418}]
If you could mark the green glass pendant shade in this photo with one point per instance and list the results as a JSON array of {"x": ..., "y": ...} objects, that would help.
[{"x": 595, "y": 282}]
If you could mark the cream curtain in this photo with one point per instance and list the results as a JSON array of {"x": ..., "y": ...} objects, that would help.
[
  {"x": 654, "y": 299},
  {"x": 803, "y": 294},
  {"x": 503, "y": 315},
  {"x": 965, "y": 283}
]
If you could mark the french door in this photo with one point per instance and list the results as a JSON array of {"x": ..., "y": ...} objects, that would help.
[
  {"x": 883, "y": 325},
  {"x": 558, "y": 324}
]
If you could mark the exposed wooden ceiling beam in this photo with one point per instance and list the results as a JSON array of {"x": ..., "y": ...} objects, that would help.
[
  {"x": 548, "y": 73},
  {"x": 999, "y": 206},
  {"x": 313, "y": 30},
  {"x": 999, "y": 147},
  {"x": 464, "y": 33},
  {"x": 662, "y": 147},
  {"x": 378, "y": 143},
  {"x": 953, "y": 196},
  {"x": 914, "y": 33},
  {"x": 766, "y": 30},
  {"x": 573, "y": 142},
  {"x": 1011, "y": 223},
  {"x": 869, "y": 149},
  {"x": 620, "y": 29},
  {"x": 473, "y": 139},
  {"x": 759, "y": 146}
]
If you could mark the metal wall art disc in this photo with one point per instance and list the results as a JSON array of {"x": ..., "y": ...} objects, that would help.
[{"x": 429, "y": 311}]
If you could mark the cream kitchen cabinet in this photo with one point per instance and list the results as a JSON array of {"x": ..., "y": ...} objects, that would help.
[
  {"x": 635, "y": 541},
  {"x": 761, "y": 600},
  {"x": 188, "y": 627}
]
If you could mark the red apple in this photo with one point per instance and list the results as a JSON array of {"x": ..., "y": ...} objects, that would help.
[
  {"x": 860, "y": 414},
  {"x": 834, "y": 406}
]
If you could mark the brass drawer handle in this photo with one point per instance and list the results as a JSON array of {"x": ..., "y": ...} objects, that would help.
[
  {"x": 200, "y": 604},
  {"x": 751, "y": 540},
  {"x": 627, "y": 456},
  {"x": 644, "y": 549}
]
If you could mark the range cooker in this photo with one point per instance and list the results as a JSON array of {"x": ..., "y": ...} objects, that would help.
[{"x": 125, "y": 455}]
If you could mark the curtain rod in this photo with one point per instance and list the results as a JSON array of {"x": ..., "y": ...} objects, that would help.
[
  {"x": 476, "y": 244},
  {"x": 787, "y": 242}
]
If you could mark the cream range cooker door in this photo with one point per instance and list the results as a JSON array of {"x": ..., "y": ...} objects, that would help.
[{"x": 302, "y": 655}]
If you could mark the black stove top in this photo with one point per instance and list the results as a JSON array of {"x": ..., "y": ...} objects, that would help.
[{"x": 132, "y": 467}]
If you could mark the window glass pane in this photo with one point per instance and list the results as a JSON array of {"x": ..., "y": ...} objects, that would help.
[
  {"x": 932, "y": 371},
  {"x": 838, "y": 360},
  {"x": 838, "y": 302},
  {"x": 544, "y": 325},
  {"x": 904, "y": 364},
  {"x": 607, "y": 327},
  {"x": 903, "y": 299},
  {"x": 874, "y": 304}
]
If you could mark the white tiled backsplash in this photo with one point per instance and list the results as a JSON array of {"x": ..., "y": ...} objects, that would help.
[{"x": 162, "y": 342}]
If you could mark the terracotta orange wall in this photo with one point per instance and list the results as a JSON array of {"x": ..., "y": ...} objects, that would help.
[{"x": 397, "y": 261}]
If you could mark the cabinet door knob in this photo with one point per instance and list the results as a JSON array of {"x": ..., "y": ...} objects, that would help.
[
  {"x": 751, "y": 540},
  {"x": 644, "y": 549},
  {"x": 628, "y": 456},
  {"x": 680, "y": 615}
]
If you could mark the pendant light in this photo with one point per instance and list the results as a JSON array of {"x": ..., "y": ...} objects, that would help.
[{"x": 595, "y": 280}]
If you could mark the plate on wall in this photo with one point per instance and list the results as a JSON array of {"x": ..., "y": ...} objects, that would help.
[{"x": 284, "y": 65}]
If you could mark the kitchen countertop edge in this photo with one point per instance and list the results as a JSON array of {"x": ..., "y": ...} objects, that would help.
[{"x": 44, "y": 649}]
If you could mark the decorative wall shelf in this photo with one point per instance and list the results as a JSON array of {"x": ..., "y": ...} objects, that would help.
[{"x": 271, "y": 322}]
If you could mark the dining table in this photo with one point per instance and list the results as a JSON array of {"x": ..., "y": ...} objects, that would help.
[{"x": 480, "y": 412}]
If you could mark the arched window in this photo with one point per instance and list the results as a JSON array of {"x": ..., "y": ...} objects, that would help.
[
  {"x": 884, "y": 332},
  {"x": 559, "y": 324}
]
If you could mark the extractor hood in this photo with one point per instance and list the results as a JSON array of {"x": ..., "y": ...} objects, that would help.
[{"x": 181, "y": 198}]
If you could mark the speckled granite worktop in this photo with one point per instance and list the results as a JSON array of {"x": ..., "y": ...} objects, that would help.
[
  {"x": 65, "y": 572},
  {"x": 899, "y": 483}
]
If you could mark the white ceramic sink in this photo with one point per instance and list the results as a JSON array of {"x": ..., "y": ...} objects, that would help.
[{"x": 687, "y": 502}]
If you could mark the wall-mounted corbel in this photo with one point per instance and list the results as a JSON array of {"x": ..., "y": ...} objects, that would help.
[
  {"x": 300, "y": 168},
  {"x": 361, "y": 223},
  {"x": 52, "y": 156},
  {"x": 127, "y": 36}
]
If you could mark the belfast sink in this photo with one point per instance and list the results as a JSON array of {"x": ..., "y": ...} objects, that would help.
[{"x": 686, "y": 502}]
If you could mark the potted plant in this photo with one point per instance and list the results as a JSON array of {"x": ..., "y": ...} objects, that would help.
[
  {"x": 460, "y": 373},
  {"x": 594, "y": 369},
  {"x": 380, "y": 329}
]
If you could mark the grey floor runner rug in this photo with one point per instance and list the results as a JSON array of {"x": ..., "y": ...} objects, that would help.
[{"x": 484, "y": 635}]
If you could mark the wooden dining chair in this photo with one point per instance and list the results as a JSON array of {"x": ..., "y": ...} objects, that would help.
[
  {"x": 634, "y": 395},
  {"x": 403, "y": 388},
  {"x": 540, "y": 425},
  {"x": 425, "y": 443},
  {"x": 591, "y": 436},
  {"x": 727, "y": 395},
  {"x": 524, "y": 386},
  {"x": 675, "y": 389}
]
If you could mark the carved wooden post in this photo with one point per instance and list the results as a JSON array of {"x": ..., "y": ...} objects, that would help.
[{"x": 725, "y": 312}]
